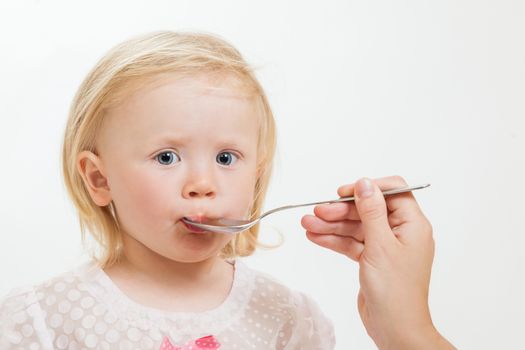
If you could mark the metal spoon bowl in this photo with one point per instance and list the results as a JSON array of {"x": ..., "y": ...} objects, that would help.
[{"x": 232, "y": 226}]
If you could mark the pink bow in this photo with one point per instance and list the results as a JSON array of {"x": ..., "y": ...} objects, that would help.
[{"x": 208, "y": 342}]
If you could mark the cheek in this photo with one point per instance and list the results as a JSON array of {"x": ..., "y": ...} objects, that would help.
[
  {"x": 140, "y": 196},
  {"x": 242, "y": 190}
]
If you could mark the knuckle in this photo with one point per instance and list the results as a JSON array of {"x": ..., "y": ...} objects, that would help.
[
  {"x": 341, "y": 228},
  {"x": 373, "y": 211},
  {"x": 425, "y": 223},
  {"x": 427, "y": 229},
  {"x": 318, "y": 227},
  {"x": 399, "y": 180}
]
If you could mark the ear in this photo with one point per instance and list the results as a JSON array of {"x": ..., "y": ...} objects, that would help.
[{"x": 91, "y": 169}]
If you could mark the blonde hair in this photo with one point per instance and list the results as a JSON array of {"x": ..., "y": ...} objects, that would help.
[{"x": 127, "y": 66}]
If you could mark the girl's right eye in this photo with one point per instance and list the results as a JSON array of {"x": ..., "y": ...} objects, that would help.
[{"x": 167, "y": 158}]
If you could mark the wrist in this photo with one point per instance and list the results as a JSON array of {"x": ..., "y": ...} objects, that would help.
[{"x": 424, "y": 337}]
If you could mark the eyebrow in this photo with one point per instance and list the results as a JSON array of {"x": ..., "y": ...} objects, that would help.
[{"x": 175, "y": 140}]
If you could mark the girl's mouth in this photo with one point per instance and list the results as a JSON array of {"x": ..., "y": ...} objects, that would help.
[{"x": 193, "y": 228}]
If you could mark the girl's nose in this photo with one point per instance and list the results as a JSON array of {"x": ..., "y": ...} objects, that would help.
[{"x": 199, "y": 188}]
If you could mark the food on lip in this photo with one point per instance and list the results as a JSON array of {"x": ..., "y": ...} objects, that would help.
[
  {"x": 196, "y": 218},
  {"x": 191, "y": 227}
]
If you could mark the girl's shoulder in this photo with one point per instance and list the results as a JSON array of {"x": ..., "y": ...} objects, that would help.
[
  {"x": 23, "y": 309},
  {"x": 24, "y": 297}
]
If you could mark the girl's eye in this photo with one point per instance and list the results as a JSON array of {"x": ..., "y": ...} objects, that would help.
[
  {"x": 225, "y": 158},
  {"x": 167, "y": 158}
]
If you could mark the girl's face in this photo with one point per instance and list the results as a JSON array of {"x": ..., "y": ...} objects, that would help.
[{"x": 181, "y": 147}]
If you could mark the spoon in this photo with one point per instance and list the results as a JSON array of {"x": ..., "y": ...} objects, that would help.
[{"x": 232, "y": 226}]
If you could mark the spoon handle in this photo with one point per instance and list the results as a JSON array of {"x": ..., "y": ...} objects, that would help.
[{"x": 347, "y": 199}]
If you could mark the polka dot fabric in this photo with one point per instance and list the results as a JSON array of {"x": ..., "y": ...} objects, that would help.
[{"x": 84, "y": 309}]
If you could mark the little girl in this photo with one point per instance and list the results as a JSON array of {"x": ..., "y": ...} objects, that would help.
[{"x": 167, "y": 125}]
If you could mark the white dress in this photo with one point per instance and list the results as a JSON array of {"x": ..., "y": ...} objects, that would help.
[{"x": 84, "y": 309}]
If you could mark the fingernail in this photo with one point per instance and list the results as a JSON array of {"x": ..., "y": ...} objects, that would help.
[{"x": 364, "y": 188}]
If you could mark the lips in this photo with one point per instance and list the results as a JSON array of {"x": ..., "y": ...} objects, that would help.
[
  {"x": 193, "y": 228},
  {"x": 195, "y": 218}
]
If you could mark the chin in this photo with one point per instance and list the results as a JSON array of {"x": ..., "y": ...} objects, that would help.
[
  {"x": 191, "y": 259},
  {"x": 192, "y": 249}
]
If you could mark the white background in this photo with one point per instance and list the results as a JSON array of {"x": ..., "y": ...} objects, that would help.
[{"x": 429, "y": 90}]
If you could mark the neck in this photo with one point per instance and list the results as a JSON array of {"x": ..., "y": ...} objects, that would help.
[{"x": 157, "y": 281}]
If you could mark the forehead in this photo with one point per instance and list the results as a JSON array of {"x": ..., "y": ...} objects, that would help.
[
  {"x": 132, "y": 89},
  {"x": 183, "y": 106}
]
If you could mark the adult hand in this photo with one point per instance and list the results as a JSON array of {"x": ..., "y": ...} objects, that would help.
[{"x": 392, "y": 241}]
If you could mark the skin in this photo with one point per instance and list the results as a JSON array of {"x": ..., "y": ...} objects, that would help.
[
  {"x": 392, "y": 241},
  {"x": 180, "y": 146}
]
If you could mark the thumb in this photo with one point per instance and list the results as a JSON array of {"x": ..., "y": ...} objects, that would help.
[{"x": 371, "y": 206}]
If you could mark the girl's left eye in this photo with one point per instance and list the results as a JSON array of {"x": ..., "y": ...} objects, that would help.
[
  {"x": 225, "y": 158},
  {"x": 167, "y": 157}
]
